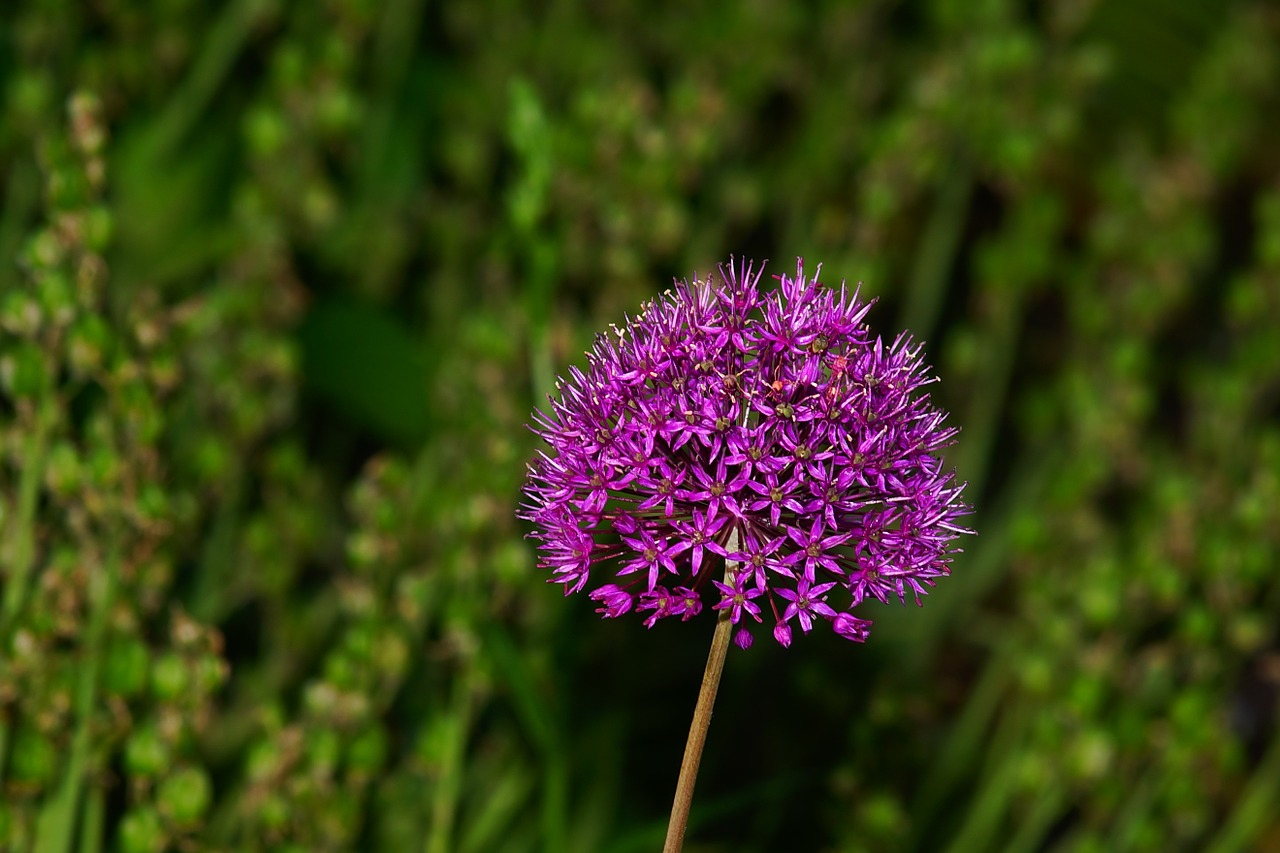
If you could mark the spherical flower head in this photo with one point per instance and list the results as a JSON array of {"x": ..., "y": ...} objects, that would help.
[{"x": 769, "y": 429}]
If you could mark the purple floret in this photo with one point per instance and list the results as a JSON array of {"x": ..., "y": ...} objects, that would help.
[{"x": 769, "y": 429}]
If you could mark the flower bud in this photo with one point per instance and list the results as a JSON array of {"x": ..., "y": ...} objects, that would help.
[
  {"x": 170, "y": 678},
  {"x": 367, "y": 751},
  {"x": 851, "y": 627},
  {"x": 184, "y": 797},
  {"x": 34, "y": 761},
  {"x": 146, "y": 754},
  {"x": 142, "y": 831},
  {"x": 125, "y": 666}
]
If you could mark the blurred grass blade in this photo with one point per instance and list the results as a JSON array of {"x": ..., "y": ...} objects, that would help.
[
  {"x": 936, "y": 256},
  {"x": 539, "y": 720},
  {"x": 1256, "y": 808}
]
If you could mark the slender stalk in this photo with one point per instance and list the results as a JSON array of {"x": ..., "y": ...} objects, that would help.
[
  {"x": 22, "y": 544},
  {"x": 60, "y": 816},
  {"x": 448, "y": 785},
  {"x": 94, "y": 818},
  {"x": 701, "y": 718},
  {"x": 18, "y": 562}
]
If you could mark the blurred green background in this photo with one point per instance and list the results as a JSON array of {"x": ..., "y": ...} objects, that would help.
[{"x": 281, "y": 282}]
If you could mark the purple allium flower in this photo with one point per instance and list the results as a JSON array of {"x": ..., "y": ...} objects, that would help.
[{"x": 769, "y": 429}]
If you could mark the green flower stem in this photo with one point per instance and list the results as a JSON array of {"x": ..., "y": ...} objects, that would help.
[
  {"x": 22, "y": 536},
  {"x": 448, "y": 787},
  {"x": 22, "y": 543},
  {"x": 1254, "y": 807},
  {"x": 94, "y": 818},
  {"x": 56, "y": 825},
  {"x": 701, "y": 718}
]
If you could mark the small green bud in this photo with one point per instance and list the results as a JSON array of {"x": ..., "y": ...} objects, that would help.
[
  {"x": 1248, "y": 631},
  {"x": 88, "y": 342},
  {"x": 1199, "y": 625},
  {"x": 362, "y": 548},
  {"x": 20, "y": 314},
  {"x": 211, "y": 673},
  {"x": 882, "y": 815},
  {"x": 184, "y": 797},
  {"x": 145, "y": 419},
  {"x": 320, "y": 205},
  {"x": 266, "y": 131},
  {"x": 153, "y": 502},
  {"x": 1085, "y": 695},
  {"x": 391, "y": 655},
  {"x": 1036, "y": 672},
  {"x": 271, "y": 716},
  {"x": 1100, "y": 604},
  {"x": 320, "y": 698},
  {"x": 30, "y": 95},
  {"x": 34, "y": 760},
  {"x": 337, "y": 110},
  {"x": 164, "y": 372},
  {"x": 141, "y": 831},
  {"x": 323, "y": 749},
  {"x": 23, "y": 647},
  {"x": 62, "y": 469},
  {"x": 1033, "y": 771},
  {"x": 66, "y": 186},
  {"x": 359, "y": 640},
  {"x": 85, "y": 111},
  {"x": 1092, "y": 754},
  {"x": 263, "y": 761},
  {"x": 103, "y": 469},
  {"x": 57, "y": 297},
  {"x": 146, "y": 754},
  {"x": 98, "y": 228},
  {"x": 340, "y": 670},
  {"x": 43, "y": 251},
  {"x": 367, "y": 752},
  {"x": 170, "y": 678},
  {"x": 274, "y": 811},
  {"x": 511, "y": 561},
  {"x": 212, "y": 458},
  {"x": 23, "y": 371},
  {"x": 289, "y": 65},
  {"x": 124, "y": 669},
  {"x": 413, "y": 596}
]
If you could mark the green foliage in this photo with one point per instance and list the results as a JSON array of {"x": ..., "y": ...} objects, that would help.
[{"x": 280, "y": 282}]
